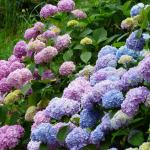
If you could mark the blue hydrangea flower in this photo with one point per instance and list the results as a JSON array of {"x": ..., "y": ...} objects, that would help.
[
  {"x": 108, "y": 60},
  {"x": 113, "y": 148},
  {"x": 136, "y": 9},
  {"x": 107, "y": 50},
  {"x": 135, "y": 43},
  {"x": 44, "y": 133},
  {"x": 112, "y": 99},
  {"x": 123, "y": 50},
  {"x": 88, "y": 118},
  {"x": 77, "y": 138}
]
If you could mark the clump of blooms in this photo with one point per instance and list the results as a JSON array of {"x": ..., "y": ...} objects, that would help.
[
  {"x": 128, "y": 23},
  {"x": 134, "y": 42},
  {"x": 77, "y": 138},
  {"x": 59, "y": 107},
  {"x": 108, "y": 60},
  {"x": 88, "y": 118},
  {"x": 31, "y": 111},
  {"x": 119, "y": 120},
  {"x": 67, "y": 68},
  {"x": 125, "y": 59},
  {"x": 133, "y": 99},
  {"x": 16, "y": 65},
  {"x": 39, "y": 26},
  {"x": 66, "y": 5},
  {"x": 107, "y": 50},
  {"x": 62, "y": 42},
  {"x": 76, "y": 89},
  {"x": 20, "y": 49},
  {"x": 136, "y": 9},
  {"x": 48, "y": 10},
  {"x": 72, "y": 23},
  {"x": 46, "y": 55},
  {"x": 36, "y": 46},
  {"x": 47, "y": 74},
  {"x": 33, "y": 145},
  {"x": 112, "y": 99},
  {"x": 145, "y": 146},
  {"x": 4, "y": 86},
  {"x": 79, "y": 14},
  {"x": 144, "y": 68},
  {"x": 86, "y": 41},
  {"x": 30, "y": 33},
  {"x": 10, "y": 136}
]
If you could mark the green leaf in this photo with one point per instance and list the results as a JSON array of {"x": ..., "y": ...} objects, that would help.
[
  {"x": 40, "y": 70},
  {"x": 63, "y": 133},
  {"x": 89, "y": 147},
  {"x": 25, "y": 88},
  {"x": 67, "y": 55},
  {"x": 78, "y": 46},
  {"x": 86, "y": 32},
  {"x": 85, "y": 56},
  {"x": 99, "y": 35},
  {"x": 43, "y": 147},
  {"x": 126, "y": 8},
  {"x": 136, "y": 138},
  {"x": 3, "y": 113},
  {"x": 37, "y": 85}
]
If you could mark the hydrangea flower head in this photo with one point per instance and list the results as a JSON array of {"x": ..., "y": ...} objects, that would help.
[
  {"x": 30, "y": 33},
  {"x": 66, "y": 5},
  {"x": 39, "y": 26},
  {"x": 135, "y": 43},
  {"x": 20, "y": 49},
  {"x": 33, "y": 145},
  {"x": 112, "y": 99},
  {"x": 72, "y": 23},
  {"x": 86, "y": 41},
  {"x": 67, "y": 68},
  {"x": 136, "y": 9},
  {"x": 125, "y": 59},
  {"x": 59, "y": 107},
  {"x": 77, "y": 138},
  {"x": 79, "y": 14},
  {"x": 107, "y": 50},
  {"x": 48, "y": 10}
]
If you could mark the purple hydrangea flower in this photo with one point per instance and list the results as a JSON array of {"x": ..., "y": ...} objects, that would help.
[
  {"x": 79, "y": 14},
  {"x": 103, "y": 74},
  {"x": 13, "y": 58},
  {"x": 123, "y": 50},
  {"x": 77, "y": 138},
  {"x": 77, "y": 88},
  {"x": 30, "y": 33},
  {"x": 46, "y": 55},
  {"x": 136, "y": 9},
  {"x": 4, "y": 71},
  {"x": 49, "y": 34},
  {"x": 112, "y": 99},
  {"x": 16, "y": 65},
  {"x": 131, "y": 78},
  {"x": 48, "y": 10},
  {"x": 144, "y": 67},
  {"x": 20, "y": 49},
  {"x": 133, "y": 99},
  {"x": 107, "y": 50},
  {"x": 66, "y": 5},
  {"x": 62, "y": 42},
  {"x": 48, "y": 74},
  {"x": 33, "y": 145},
  {"x": 10, "y": 136},
  {"x": 108, "y": 60},
  {"x": 44, "y": 133},
  {"x": 4, "y": 86},
  {"x": 67, "y": 68},
  {"x": 135, "y": 43},
  {"x": 88, "y": 118},
  {"x": 59, "y": 107},
  {"x": 39, "y": 26}
]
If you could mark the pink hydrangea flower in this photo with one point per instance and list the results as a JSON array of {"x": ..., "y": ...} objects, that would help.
[
  {"x": 30, "y": 33},
  {"x": 79, "y": 14},
  {"x": 39, "y": 26},
  {"x": 66, "y": 5},
  {"x": 67, "y": 68}
]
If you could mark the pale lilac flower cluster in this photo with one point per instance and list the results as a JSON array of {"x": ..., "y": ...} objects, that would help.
[
  {"x": 77, "y": 88},
  {"x": 10, "y": 136},
  {"x": 39, "y": 26},
  {"x": 33, "y": 145},
  {"x": 108, "y": 60},
  {"x": 67, "y": 68},
  {"x": 46, "y": 55},
  {"x": 79, "y": 14},
  {"x": 4, "y": 86},
  {"x": 48, "y": 10},
  {"x": 59, "y": 107},
  {"x": 47, "y": 74},
  {"x": 31, "y": 33},
  {"x": 77, "y": 138},
  {"x": 20, "y": 49},
  {"x": 66, "y": 5},
  {"x": 133, "y": 99},
  {"x": 16, "y": 65},
  {"x": 62, "y": 42},
  {"x": 136, "y": 9}
]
